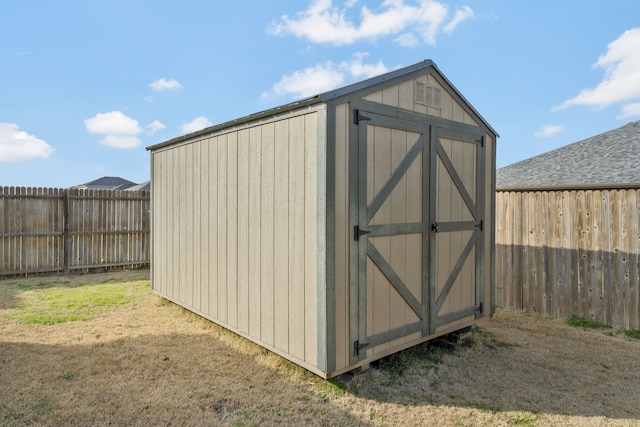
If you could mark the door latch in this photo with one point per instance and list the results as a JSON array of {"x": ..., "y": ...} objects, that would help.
[
  {"x": 357, "y": 117},
  {"x": 357, "y": 232},
  {"x": 357, "y": 346}
]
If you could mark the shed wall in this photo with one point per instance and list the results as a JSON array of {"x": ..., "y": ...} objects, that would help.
[
  {"x": 451, "y": 108},
  {"x": 235, "y": 231}
]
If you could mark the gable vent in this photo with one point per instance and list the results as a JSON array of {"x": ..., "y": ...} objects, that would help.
[{"x": 428, "y": 95}]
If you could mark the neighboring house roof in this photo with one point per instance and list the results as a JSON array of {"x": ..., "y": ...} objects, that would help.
[
  {"x": 609, "y": 158},
  {"x": 145, "y": 186},
  {"x": 107, "y": 183}
]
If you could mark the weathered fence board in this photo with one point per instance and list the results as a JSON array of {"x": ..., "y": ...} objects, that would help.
[
  {"x": 54, "y": 230},
  {"x": 570, "y": 252}
]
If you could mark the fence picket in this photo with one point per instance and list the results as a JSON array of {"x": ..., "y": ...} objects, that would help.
[{"x": 634, "y": 257}]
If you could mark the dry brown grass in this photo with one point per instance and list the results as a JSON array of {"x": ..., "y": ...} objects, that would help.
[{"x": 153, "y": 363}]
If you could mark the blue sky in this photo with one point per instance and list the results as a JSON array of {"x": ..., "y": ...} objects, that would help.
[{"x": 86, "y": 85}]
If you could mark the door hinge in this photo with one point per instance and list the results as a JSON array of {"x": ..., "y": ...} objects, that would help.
[
  {"x": 434, "y": 227},
  {"x": 480, "y": 308},
  {"x": 479, "y": 225},
  {"x": 357, "y": 117},
  {"x": 357, "y": 346},
  {"x": 357, "y": 232}
]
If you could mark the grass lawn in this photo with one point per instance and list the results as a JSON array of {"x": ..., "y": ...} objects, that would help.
[{"x": 102, "y": 349}]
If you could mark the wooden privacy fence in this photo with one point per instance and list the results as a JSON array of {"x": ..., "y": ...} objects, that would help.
[
  {"x": 564, "y": 252},
  {"x": 58, "y": 230}
]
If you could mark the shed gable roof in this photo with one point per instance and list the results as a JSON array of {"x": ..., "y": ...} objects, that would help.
[
  {"x": 611, "y": 157},
  {"x": 336, "y": 95}
]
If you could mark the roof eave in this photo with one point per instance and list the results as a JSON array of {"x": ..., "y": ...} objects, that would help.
[{"x": 242, "y": 120}]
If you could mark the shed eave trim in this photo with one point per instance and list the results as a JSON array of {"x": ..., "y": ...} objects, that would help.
[
  {"x": 482, "y": 119},
  {"x": 346, "y": 91},
  {"x": 246, "y": 119},
  {"x": 364, "y": 84}
]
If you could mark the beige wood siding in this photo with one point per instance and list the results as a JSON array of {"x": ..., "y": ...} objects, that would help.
[
  {"x": 403, "y": 96},
  {"x": 235, "y": 231}
]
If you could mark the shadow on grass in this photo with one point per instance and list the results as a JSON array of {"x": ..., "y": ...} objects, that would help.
[
  {"x": 157, "y": 380},
  {"x": 497, "y": 376},
  {"x": 10, "y": 291},
  {"x": 12, "y": 288}
]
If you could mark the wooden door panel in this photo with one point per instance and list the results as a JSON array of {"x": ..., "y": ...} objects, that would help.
[
  {"x": 391, "y": 211},
  {"x": 457, "y": 210}
]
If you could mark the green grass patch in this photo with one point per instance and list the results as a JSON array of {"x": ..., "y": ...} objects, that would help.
[
  {"x": 580, "y": 322},
  {"x": 490, "y": 341},
  {"x": 58, "y": 303},
  {"x": 23, "y": 411},
  {"x": 524, "y": 421},
  {"x": 422, "y": 357},
  {"x": 69, "y": 375},
  {"x": 330, "y": 389},
  {"x": 633, "y": 333}
]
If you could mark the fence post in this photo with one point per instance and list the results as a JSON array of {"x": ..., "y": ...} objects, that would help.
[{"x": 66, "y": 239}]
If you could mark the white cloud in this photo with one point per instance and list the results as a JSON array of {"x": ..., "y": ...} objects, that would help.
[
  {"x": 322, "y": 22},
  {"x": 461, "y": 14},
  {"x": 164, "y": 84},
  {"x": 621, "y": 63},
  {"x": 325, "y": 76},
  {"x": 155, "y": 126},
  {"x": 310, "y": 81},
  {"x": 547, "y": 131},
  {"x": 406, "y": 40},
  {"x": 119, "y": 129},
  {"x": 630, "y": 110},
  {"x": 432, "y": 17},
  {"x": 196, "y": 124},
  {"x": 357, "y": 69},
  {"x": 18, "y": 146},
  {"x": 120, "y": 141},
  {"x": 113, "y": 122}
]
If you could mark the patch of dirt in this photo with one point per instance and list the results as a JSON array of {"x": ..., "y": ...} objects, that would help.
[
  {"x": 81, "y": 278},
  {"x": 154, "y": 363}
]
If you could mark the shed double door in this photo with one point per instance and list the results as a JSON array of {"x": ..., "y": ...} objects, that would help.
[{"x": 416, "y": 210}]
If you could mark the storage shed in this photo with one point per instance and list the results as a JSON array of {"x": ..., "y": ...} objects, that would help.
[{"x": 335, "y": 230}]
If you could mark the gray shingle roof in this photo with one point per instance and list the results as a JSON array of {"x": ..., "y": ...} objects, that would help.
[
  {"x": 144, "y": 186},
  {"x": 611, "y": 157},
  {"x": 107, "y": 183}
]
